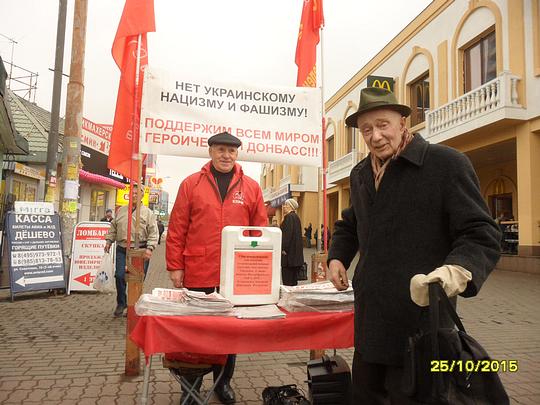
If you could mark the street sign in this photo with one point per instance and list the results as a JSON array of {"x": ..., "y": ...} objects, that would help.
[
  {"x": 35, "y": 252},
  {"x": 87, "y": 253}
]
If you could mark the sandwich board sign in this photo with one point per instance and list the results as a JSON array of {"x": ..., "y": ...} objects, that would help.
[
  {"x": 34, "y": 243},
  {"x": 87, "y": 254}
]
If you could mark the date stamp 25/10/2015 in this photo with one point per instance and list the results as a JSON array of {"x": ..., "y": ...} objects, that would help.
[{"x": 474, "y": 366}]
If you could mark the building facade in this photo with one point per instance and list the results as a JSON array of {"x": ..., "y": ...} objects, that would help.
[
  {"x": 280, "y": 182},
  {"x": 470, "y": 70}
]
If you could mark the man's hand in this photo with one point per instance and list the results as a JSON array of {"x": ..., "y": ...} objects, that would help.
[
  {"x": 107, "y": 247},
  {"x": 177, "y": 278},
  {"x": 148, "y": 254},
  {"x": 338, "y": 274}
]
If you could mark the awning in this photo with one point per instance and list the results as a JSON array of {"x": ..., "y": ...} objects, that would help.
[{"x": 98, "y": 179}]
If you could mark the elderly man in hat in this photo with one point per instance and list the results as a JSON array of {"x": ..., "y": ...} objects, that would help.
[
  {"x": 220, "y": 194},
  {"x": 292, "y": 251},
  {"x": 417, "y": 216}
]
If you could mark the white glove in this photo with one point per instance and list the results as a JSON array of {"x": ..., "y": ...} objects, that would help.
[{"x": 453, "y": 279}]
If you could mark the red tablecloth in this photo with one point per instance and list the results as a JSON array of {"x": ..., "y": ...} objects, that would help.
[{"x": 224, "y": 335}]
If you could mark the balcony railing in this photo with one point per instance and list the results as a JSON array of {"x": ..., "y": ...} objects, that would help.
[
  {"x": 285, "y": 180},
  {"x": 471, "y": 108},
  {"x": 341, "y": 168},
  {"x": 267, "y": 193}
]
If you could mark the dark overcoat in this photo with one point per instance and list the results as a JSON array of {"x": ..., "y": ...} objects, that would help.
[
  {"x": 427, "y": 212},
  {"x": 291, "y": 242}
]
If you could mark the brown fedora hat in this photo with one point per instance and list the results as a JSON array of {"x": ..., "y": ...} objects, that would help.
[{"x": 374, "y": 98}]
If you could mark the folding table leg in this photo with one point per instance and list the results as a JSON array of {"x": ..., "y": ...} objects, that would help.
[
  {"x": 218, "y": 379},
  {"x": 146, "y": 382}
]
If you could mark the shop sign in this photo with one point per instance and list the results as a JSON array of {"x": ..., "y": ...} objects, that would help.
[
  {"x": 88, "y": 250},
  {"x": 278, "y": 197},
  {"x": 95, "y": 136},
  {"x": 122, "y": 196},
  {"x": 382, "y": 82},
  {"x": 31, "y": 207},
  {"x": 35, "y": 252},
  {"x": 154, "y": 198},
  {"x": 28, "y": 171},
  {"x": 96, "y": 162}
]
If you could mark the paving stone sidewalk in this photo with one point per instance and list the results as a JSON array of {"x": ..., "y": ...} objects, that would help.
[{"x": 70, "y": 349}]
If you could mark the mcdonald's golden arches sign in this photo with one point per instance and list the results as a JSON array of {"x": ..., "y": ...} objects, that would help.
[{"x": 381, "y": 82}]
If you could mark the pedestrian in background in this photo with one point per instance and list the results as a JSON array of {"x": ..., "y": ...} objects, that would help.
[
  {"x": 108, "y": 216},
  {"x": 292, "y": 252},
  {"x": 161, "y": 229},
  {"x": 417, "y": 217},
  {"x": 148, "y": 238},
  {"x": 218, "y": 195},
  {"x": 307, "y": 233}
]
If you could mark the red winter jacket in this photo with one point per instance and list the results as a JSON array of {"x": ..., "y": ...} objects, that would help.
[{"x": 197, "y": 218}]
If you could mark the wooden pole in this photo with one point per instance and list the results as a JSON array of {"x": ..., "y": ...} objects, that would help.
[{"x": 71, "y": 154}]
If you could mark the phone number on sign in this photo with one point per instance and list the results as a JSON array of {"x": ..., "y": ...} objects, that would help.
[{"x": 474, "y": 366}]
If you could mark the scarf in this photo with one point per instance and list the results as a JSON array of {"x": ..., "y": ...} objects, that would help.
[{"x": 379, "y": 167}]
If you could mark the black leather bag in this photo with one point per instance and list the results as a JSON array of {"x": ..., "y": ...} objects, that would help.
[
  {"x": 446, "y": 365},
  {"x": 302, "y": 272},
  {"x": 284, "y": 395}
]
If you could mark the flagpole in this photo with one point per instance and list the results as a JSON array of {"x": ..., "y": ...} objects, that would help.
[
  {"x": 135, "y": 132},
  {"x": 135, "y": 260},
  {"x": 324, "y": 151}
]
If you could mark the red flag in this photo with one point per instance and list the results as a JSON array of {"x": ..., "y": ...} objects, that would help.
[
  {"x": 137, "y": 19},
  {"x": 308, "y": 38}
]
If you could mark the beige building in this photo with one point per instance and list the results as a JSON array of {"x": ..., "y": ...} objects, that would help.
[{"x": 470, "y": 70}]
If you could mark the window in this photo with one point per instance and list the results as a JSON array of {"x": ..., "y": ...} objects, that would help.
[
  {"x": 480, "y": 62},
  {"x": 330, "y": 149},
  {"x": 97, "y": 204},
  {"x": 350, "y": 141},
  {"x": 419, "y": 95},
  {"x": 24, "y": 191},
  {"x": 286, "y": 170}
]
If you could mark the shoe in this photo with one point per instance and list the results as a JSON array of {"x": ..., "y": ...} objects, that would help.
[
  {"x": 119, "y": 310},
  {"x": 225, "y": 393}
]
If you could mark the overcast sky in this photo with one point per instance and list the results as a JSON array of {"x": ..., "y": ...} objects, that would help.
[{"x": 252, "y": 41}]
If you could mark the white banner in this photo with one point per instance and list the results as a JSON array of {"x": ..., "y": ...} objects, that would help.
[
  {"x": 275, "y": 124},
  {"x": 87, "y": 253}
]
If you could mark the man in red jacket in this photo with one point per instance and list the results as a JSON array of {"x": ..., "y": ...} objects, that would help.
[{"x": 218, "y": 195}]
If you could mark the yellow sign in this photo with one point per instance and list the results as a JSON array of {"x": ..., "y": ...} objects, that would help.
[
  {"x": 71, "y": 171},
  {"x": 122, "y": 196},
  {"x": 382, "y": 82},
  {"x": 28, "y": 171}
]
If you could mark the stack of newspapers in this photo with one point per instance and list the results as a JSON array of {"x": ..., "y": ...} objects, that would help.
[
  {"x": 165, "y": 301},
  {"x": 316, "y": 297}
]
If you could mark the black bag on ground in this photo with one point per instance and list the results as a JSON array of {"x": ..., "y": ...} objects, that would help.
[
  {"x": 329, "y": 381},
  {"x": 302, "y": 272},
  {"x": 283, "y": 395},
  {"x": 452, "y": 368}
]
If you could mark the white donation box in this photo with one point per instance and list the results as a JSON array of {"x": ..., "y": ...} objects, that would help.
[{"x": 250, "y": 264}]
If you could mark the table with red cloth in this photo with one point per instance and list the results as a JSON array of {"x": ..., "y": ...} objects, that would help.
[{"x": 227, "y": 335}]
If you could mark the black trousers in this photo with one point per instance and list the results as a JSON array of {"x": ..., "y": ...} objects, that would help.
[
  {"x": 231, "y": 358},
  {"x": 289, "y": 275},
  {"x": 377, "y": 384}
]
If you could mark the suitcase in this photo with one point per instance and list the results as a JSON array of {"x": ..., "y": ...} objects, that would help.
[{"x": 329, "y": 381}]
